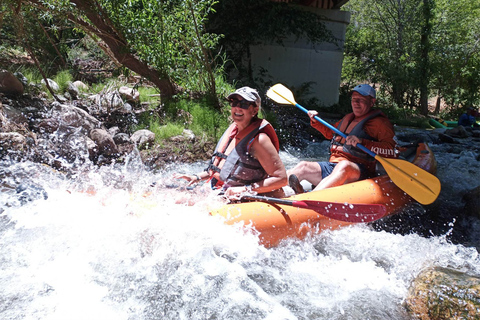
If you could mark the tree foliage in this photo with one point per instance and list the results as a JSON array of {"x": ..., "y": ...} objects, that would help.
[{"x": 415, "y": 49}]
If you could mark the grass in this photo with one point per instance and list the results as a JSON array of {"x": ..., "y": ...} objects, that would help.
[{"x": 63, "y": 78}]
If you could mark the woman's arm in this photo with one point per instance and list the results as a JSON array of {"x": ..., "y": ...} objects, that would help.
[{"x": 264, "y": 151}]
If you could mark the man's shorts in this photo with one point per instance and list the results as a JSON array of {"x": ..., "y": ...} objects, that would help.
[{"x": 327, "y": 168}]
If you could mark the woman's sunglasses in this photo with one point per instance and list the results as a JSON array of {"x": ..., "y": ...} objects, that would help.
[{"x": 244, "y": 104}]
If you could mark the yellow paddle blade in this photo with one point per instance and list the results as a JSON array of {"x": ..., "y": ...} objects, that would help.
[
  {"x": 281, "y": 94},
  {"x": 416, "y": 182}
]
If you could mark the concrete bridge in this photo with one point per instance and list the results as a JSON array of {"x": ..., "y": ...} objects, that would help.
[{"x": 297, "y": 62}]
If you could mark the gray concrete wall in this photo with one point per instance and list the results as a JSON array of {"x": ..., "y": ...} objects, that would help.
[{"x": 298, "y": 62}]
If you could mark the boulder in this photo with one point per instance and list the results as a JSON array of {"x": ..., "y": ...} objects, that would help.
[
  {"x": 12, "y": 141},
  {"x": 9, "y": 84},
  {"x": 80, "y": 85},
  {"x": 143, "y": 138},
  {"x": 52, "y": 84},
  {"x": 442, "y": 293},
  {"x": 187, "y": 135},
  {"x": 457, "y": 132},
  {"x": 71, "y": 118},
  {"x": 129, "y": 94},
  {"x": 73, "y": 91},
  {"x": 104, "y": 141},
  {"x": 472, "y": 202}
]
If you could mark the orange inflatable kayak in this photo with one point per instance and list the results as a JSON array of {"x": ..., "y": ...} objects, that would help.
[{"x": 362, "y": 201}]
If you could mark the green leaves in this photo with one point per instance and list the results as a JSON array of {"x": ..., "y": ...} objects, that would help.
[{"x": 409, "y": 44}]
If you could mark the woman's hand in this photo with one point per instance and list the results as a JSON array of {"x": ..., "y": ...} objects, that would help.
[
  {"x": 235, "y": 193},
  {"x": 192, "y": 179}
]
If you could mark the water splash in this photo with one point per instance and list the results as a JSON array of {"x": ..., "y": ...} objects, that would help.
[{"x": 112, "y": 243}]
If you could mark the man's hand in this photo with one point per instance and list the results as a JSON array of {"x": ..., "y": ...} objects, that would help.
[{"x": 352, "y": 140}]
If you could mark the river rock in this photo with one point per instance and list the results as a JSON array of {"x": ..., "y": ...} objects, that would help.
[
  {"x": 71, "y": 118},
  {"x": 143, "y": 138},
  {"x": 121, "y": 138},
  {"x": 457, "y": 132},
  {"x": 9, "y": 84},
  {"x": 187, "y": 135},
  {"x": 442, "y": 293},
  {"x": 80, "y": 85},
  {"x": 73, "y": 91},
  {"x": 472, "y": 202},
  {"x": 104, "y": 141},
  {"x": 52, "y": 84},
  {"x": 12, "y": 141},
  {"x": 129, "y": 94}
]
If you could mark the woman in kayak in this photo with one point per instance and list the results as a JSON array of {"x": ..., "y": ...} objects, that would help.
[{"x": 246, "y": 158}]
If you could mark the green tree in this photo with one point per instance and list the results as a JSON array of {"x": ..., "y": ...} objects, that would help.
[
  {"x": 164, "y": 41},
  {"x": 414, "y": 49},
  {"x": 380, "y": 46},
  {"x": 456, "y": 53}
]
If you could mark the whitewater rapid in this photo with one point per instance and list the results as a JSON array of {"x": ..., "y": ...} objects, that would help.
[{"x": 111, "y": 243}]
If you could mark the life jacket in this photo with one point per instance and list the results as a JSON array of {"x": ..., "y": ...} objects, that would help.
[
  {"x": 352, "y": 126},
  {"x": 232, "y": 162}
]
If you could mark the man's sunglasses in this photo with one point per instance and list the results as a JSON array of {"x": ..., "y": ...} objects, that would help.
[{"x": 244, "y": 104}]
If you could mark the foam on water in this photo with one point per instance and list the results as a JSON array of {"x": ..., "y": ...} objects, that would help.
[{"x": 126, "y": 250}]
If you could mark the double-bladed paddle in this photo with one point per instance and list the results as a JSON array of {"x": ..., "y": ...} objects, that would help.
[
  {"x": 416, "y": 182},
  {"x": 338, "y": 211}
]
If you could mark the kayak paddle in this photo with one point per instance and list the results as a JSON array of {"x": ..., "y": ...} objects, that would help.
[
  {"x": 416, "y": 182},
  {"x": 337, "y": 211}
]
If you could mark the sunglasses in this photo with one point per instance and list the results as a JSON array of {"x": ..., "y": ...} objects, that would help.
[{"x": 244, "y": 104}]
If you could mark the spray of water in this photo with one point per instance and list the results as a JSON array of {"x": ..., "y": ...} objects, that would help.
[{"x": 113, "y": 243}]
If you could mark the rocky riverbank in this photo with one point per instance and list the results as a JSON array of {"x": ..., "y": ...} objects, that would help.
[{"x": 74, "y": 129}]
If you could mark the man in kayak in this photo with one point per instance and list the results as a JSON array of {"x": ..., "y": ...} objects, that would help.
[
  {"x": 246, "y": 158},
  {"x": 347, "y": 163},
  {"x": 467, "y": 119}
]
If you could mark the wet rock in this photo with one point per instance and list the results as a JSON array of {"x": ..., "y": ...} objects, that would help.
[
  {"x": 447, "y": 138},
  {"x": 9, "y": 84},
  {"x": 457, "y": 132},
  {"x": 129, "y": 94},
  {"x": 12, "y": 141},
  {"x": 104, "y": 141},
  {"x": 47, "y": 125},
  {"x": 441, "y": 293},
  {"x": 71, "y": 118},
  {"x": 186, "y": 136},
  {"x": 122, "y": 138},
  {"x": 52, "y": 84},
  {"x": 472, "y": 202},
  {"x": 143, "y": 138}
]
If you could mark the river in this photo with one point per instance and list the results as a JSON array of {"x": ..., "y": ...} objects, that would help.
[{"x": 111, "y": 243}]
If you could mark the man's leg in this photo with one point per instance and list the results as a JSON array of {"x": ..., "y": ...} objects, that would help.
[
  {"x": 344, "y": 172},
  {"x": 307, "y": 170}
]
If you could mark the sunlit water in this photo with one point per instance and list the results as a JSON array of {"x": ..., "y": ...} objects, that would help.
[{"x": 126, "y": 250}]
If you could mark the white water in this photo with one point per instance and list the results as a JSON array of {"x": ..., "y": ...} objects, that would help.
[{"x": 117, "y": 255}]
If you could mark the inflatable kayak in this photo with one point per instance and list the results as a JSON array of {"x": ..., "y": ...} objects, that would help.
[
  {"x": 358, "y": 202},
  {"x": 438, "y": 123},
  {"x": 444, "y": 123}
]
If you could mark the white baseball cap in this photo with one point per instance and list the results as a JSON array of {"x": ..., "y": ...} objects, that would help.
[
  {"x": 248, "y": 94},
  {"x": 365, "y": 90}
]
